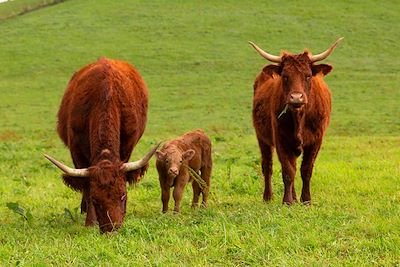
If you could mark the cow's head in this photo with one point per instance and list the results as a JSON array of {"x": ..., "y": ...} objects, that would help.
[
  {"x": 296, "y": 72},
  {"x": 107, "y": 180},
  {"x": 173, "y": 158}
]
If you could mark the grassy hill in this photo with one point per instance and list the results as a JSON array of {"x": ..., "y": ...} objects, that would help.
[{"x": 199, "y": 68}]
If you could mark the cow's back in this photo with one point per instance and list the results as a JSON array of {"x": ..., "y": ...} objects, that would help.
[{"x": 105, "y": 102}]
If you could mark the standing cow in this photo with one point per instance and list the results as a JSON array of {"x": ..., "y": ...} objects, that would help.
[
  {"x": 291, "y": 112},
  {"x": 102, "y": 116},
  {"x": 192, "y": 149}
]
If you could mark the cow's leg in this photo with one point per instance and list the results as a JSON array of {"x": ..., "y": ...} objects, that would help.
[
  {"x": 80, "y": 161},
  {"x": 266, "y": 164},
  {"x": 196, "y": 194},
  {"x": 178, "y": 193},
  {"x": 84, "y": 204},
  {"x": 309, "y": 155},
  {"x": 206, "y": 176},
  {"x": 288, "y": 174},
  {"x": 165, "y": 193},
  {"x": 294, "y": 196},
  {"x": 288, "y": 162},
  {"x": 91, "y": 217}
]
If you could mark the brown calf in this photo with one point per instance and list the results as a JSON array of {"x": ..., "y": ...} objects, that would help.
[
  {"x": 291, "y": 112},
  {"x": 192, "y": 149}
]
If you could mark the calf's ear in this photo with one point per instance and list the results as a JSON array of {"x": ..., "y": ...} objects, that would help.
[
  {"x": 271, "y": 69},
  {"x": 324, "y": 68},
  {"x": 188, "y": 154},
  {"x": 160, "y": 155}
]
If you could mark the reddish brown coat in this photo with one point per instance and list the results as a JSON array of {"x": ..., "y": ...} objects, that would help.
[
  {"x": 191, "y": 149},
  {"x": 298, "y": 130},
  {"x": 102, "y": 116}
]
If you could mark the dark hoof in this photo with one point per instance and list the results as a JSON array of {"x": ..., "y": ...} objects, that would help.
[
  {"x": 288, "y": 203},
  {"x": 268, "y": 197},
  {"x": 176, "y": 212},
  {"x": 90, "y": 224}
]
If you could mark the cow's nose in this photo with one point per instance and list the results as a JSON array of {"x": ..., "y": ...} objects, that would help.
[
  {"x": 296, "y": 98},
  {"x": 173, "y": 171}
]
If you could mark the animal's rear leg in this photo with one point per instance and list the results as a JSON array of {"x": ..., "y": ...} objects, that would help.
[
  {"x": 85, "y": 197},
  {"x": 206, "y": 176},
  {"x": 266, "y": 164},
  {"x": 196, "y": 194},
  {"x": 307, "y": 165}
]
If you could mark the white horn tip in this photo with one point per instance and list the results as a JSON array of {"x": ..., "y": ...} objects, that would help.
[{"x": 339, "y": 39}]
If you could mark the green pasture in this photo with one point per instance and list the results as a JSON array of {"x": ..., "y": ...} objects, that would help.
[
  {"x": 13, "y": 8},
  {"x": 199, "y": 68}
]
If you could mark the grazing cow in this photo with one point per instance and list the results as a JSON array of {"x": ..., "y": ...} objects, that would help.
[
  {"x": 192, "y": 149},
  {"x": 102, "y": 116},
  {"x": 291, "y": 112}
]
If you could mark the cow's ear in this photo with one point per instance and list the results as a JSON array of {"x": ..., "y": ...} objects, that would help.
[
  {"x": 160, "y": 155},
  {"x": 188, "y": 154},
  {"x": 271, "y": 69},
  {"x": 324, "y": 68}
]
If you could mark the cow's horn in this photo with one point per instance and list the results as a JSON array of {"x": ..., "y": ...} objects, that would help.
[
  {"x": 272, "y": 58},
  {"x": 67, "y": 170},
  {"x": 325, "y": 54},
  {"x": 131, "y": 166}
]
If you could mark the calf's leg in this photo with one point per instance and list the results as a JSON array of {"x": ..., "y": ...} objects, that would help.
[
  {"x": 178, "y": 193},
  {"x": 196, "y": 194},
  {"x": 206, "y": 176},
  {"x": 165, "y": 193}
]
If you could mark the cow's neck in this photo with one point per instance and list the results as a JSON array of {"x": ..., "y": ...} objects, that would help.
[
  {"x": 298, "y": 125},
  {"x": 292, "y": 125}
]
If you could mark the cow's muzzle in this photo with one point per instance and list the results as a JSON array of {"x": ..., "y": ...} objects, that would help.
[
  {"x": 173, "y": 172},
  {"x": 297, "y": 100}
]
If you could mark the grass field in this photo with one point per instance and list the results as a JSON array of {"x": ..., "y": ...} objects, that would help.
[
  {"x": 14, "y": 8},
  {"x": 199, "y": 68}
]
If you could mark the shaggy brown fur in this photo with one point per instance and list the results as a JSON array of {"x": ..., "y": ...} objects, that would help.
[
  {"x": 102, "y": 116},
  {"x": 298, "y": 130},
  {"x": 191, "y": 149}
]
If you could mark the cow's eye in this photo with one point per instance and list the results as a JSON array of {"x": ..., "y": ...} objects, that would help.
[
  {"x": 180, "y": 161},
  {"x": 166, "y": 161},
  {"x": 285, "y": 78}
]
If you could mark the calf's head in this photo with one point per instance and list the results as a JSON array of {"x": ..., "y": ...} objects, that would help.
[
  {"x": 107, "y": 186},
  {"x": 173, "y": 158},
  {"x": 296, "y": 72}
]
